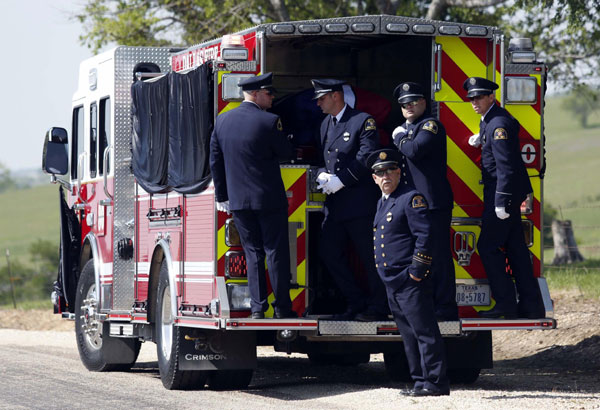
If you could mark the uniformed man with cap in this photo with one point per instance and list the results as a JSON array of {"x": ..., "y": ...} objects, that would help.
[
  {"x": 347, "y": 137},
  {"x": 422, "y": 141},
  {"x": 505, "y": 186},
  {"x": 245, "y": 149},
  {"x": 403, "y": 243}
]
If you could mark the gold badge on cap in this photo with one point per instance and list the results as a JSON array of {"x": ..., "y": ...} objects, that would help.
[
  {"x": 370, "y": 125},
  {"x": 472, "y": 81},
  {"x": 346, "y": 136},
  {"x": 382, "y": 156},
  {"x": 500, "y": 134},
  {"x": 406, "y": 87},
  {"x": 388, "y": 217}
]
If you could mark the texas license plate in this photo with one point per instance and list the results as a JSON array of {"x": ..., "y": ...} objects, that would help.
[{"x": 472, "y": 295}]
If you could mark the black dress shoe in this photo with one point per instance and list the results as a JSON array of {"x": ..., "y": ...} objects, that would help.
[
  {"x": 258, "y": 315},
  {"x": 496, "y": 313},
  {"x": 288, "y": 314},
  {"x": 407, "y": 392},
  {"x": 371, "y": 316},
  {"x": 349, "y": 314},
  {"x": 428, "y": 392},
  {"x": 533, "y": 315}
]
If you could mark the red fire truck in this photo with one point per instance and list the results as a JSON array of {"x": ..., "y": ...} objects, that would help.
[{"x": 146, "y": 257}]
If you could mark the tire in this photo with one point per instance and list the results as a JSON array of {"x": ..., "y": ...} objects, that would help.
[
  {"x": 229, "y": 379},
  {"x": 97, "y": 349},
  {"x": 463, "y": 376},
  {"x": 168, "y": 337},
  {"x": 396, "y": 367},
  {"x": 348, "y": 359}
]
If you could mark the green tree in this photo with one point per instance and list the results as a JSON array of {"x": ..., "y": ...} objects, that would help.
[
  {"x": 567, "y": 32},
  {"x": 582, "y": 102},
  {"x": 6, "y": 180}
]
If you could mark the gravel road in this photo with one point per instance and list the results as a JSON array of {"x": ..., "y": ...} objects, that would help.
[{"x": 558, "y": 369}]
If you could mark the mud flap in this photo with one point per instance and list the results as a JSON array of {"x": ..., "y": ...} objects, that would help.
[{"x": 217, "y": 350}]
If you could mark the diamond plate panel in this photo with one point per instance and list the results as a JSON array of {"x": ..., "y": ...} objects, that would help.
[
  {"x": 337, "y": 327},
  {"x": 125, "y": 60}
]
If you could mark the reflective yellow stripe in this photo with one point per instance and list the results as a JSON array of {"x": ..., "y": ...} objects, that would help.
[
  {"x": 221, "y": 247},
  {"x": 464, "y": 58},
  {"x": 527, "y": 117},
  {"x": 467, "y": 171}
]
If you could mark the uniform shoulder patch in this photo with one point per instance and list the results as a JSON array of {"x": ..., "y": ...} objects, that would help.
[
  {"x": 279, "y": 124},
  {"x": 370, "y": 124},
  {"x": 500, "y": 134},
  {"x": 419, "y": 202},
  {"x": 431, "y": 126}
]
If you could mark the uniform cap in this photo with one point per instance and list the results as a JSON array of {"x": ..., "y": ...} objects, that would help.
[
  {"x": 479, "y": 86},
  {"x": 383, "y": 159},
  {"x": 259, "y": 82},
  {"x": 407, "y": 92},
  {"x": 326, "y": 85}
]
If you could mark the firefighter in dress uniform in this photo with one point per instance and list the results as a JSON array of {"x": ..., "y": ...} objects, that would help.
[
  {"x": 245, "y": 149},
  {"x": 505, "y": 186},
  {"x": 422, "y": 141},
  {"x": 403, "y": 255},
  {"x": 347, "y": 137}
]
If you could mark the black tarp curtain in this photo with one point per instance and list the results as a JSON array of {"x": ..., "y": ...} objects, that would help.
[{"x": 172, "y": 123}]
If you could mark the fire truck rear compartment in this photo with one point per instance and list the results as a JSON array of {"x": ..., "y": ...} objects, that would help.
[{"x": 374, "y": 63}]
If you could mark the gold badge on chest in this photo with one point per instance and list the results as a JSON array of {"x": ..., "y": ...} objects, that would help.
[
  {"x": 346, "y": 136},
  {"x": 388, "y": 217}
]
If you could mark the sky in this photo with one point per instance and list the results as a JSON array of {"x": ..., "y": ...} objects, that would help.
[{"x": 38, "y": 75}]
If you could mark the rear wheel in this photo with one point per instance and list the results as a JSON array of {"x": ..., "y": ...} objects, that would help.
[
  {"x": 230, "y": 379},
  {"x": 97, "y": 349},
  {"x": 463, "y": 376},
  {"x": 396, "y": 367},
  {"x": 168, "y": 337},
  {"x": 348, "y": 359}
]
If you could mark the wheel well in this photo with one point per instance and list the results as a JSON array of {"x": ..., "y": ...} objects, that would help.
[
  {"x": 86, "y": 254},
  {"x": 157, "y": 259}
]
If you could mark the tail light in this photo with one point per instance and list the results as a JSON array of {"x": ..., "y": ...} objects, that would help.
[{"x": 235, "y": 264}]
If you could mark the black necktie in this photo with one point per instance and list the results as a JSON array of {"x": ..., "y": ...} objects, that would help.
[{"x": 334, "y": 121}]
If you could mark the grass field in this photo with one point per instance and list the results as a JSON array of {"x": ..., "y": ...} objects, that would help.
[
  {"x": 572, "y": 183},
  {"x": 28, "y": 215}
]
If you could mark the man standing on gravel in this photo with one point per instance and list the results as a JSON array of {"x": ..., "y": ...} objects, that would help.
[{"x": 401, "y": 233}]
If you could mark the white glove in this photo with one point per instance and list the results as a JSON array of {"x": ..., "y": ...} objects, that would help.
[
  {"x": 398, "y": 131},
  {"x": 475, "y": 140},
  {"x": 322, "y": 179},
  {"x": 501, "y": 212},
  {"x": 223, "y": 207},
  {"x": 333, "y": 185}
]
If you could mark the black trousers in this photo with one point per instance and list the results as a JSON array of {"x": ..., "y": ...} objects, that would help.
[
  {"x": 508, "y": 234},
  {"x": 412, "y": 308},
  {"x": 264, "y": 233},
  {"x": 442, "y": 267},
  {"x": 334, "y": 237}
]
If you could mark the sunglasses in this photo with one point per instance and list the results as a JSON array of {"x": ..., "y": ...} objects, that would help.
[
  {"x": 380, "y": 173},
  {"x": 477, "y": 97},
  {"x": 409, "y": 104}
]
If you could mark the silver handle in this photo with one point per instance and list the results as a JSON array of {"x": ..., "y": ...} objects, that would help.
[
  {"x": 105, "y": 173},
  {"x": 79, "y": 172},
  {"x": 438, "y": 53}
]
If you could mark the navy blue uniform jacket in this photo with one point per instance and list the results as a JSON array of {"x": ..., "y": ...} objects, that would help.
[
  {"x": 345, "y": 148},
  {"x": 502, "y": 168},
  {"x": 424, "y": 149},
  {"x": 401, "y": 234},
  {"x": 245, "y": 148}
]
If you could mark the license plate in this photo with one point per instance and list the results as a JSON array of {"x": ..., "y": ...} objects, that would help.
[{"x": 472, "y": 295}]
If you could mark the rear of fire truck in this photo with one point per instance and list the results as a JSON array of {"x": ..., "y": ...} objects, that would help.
[{"x": 173, "y": 268}]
